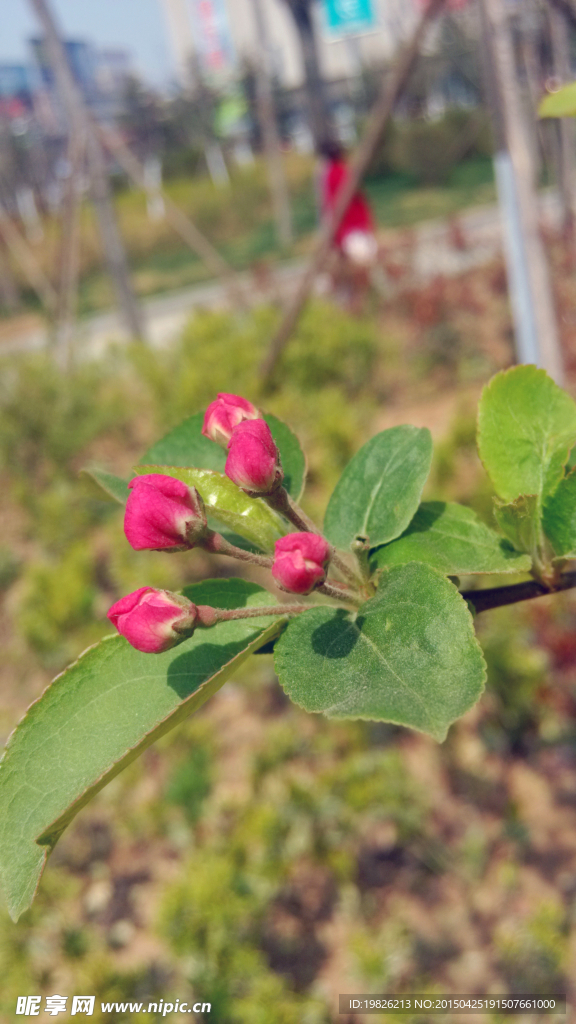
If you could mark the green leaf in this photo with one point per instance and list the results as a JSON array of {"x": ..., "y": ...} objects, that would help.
[
  {"x": 519, "y": 521},
  {"x": 455, "y": 541},
  {"x": 559, "y": 518},
  {"x": 379, "y": 491},
  {"x": 526, "y": 428},
  {"x": 98, "y": 716},
  {"x": 105, "y": 485},
  {"x": 186, "y": 446},
  {"x": 409, "y": 656},
  {"x": 250, "y": 518},
  {"x": 561, "y": 103}
]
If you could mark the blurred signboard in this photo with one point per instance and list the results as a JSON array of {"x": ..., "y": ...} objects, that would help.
[
  {"x": 347, "y": 17},
  {"x": 212, "y": 37}
]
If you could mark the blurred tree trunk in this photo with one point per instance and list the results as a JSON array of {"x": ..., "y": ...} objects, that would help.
[
  {"x": 566, "y": 8},
  {"x": 566, "y": 128},
  {"x": 9, "y": 297},
  {"x": 318, "y": 110},
  {"x": 69, "y": 256},
  {"x": 80, "y": 125},
  {"x": 530, "y": 35},
  {"x": 270, "y": 133}
]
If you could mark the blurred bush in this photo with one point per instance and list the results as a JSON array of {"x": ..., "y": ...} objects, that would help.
[
  {"x": 428, "y": 150},
  {"x": 58, "y": 599},
  {"x": 211, "y": 919},
  {"x": 533, "y": 954}
]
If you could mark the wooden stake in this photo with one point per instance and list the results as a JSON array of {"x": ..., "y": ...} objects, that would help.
[
  {"x": 23, "y": 255},
  {"x": 69, "y": 255}
]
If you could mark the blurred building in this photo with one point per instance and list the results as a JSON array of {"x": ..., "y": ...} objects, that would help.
[
  {"x": 215, "y": 35},
  {"x": 343, "y": 50},
  {"x": 114, "y": 69},
  {"x": 83, "y": 63},
  {"x": 18, "y": 85},
  {"x": 101, "y": 75}
]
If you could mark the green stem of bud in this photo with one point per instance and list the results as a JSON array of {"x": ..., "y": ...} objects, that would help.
[
  {"x": 340, "y": 592},
  {"x": 226, "y": 615},
  {"x": 215, "y": 543}
]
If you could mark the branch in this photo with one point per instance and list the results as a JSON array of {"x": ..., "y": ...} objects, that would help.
[
  {"x": 381, "y": 114},
  {"x": 497, "y": 597}
]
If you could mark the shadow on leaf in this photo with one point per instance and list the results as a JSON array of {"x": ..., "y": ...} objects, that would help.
[
  {"x": 338, "y": 637},
  {"x": 187, "y": 673}
]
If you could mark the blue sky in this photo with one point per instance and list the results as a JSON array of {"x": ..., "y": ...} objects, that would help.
[{"x": 135, "y": 25}]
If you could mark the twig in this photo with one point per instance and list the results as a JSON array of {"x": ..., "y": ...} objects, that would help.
[{"x": 497, "y": 597}]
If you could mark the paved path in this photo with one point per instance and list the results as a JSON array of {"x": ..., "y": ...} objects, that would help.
[{"x": 432, "y": 251}]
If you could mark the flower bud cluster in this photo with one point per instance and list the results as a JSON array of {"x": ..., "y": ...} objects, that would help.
[{"x": 164, "y": 514}]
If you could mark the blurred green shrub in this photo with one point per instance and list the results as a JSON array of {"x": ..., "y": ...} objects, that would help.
[
  {"x": 429, "y": 150},
  {"x": 191, "y": 781},
  {"x": 533, "y": 955},
  {"x": 218, "y": 352},
  {"x": 377, "y": 782},
  {"x": 47, "y": 417},
  {"x": 212, "y": 918},
  {"x": 10, "y": 568},
  {"x": 57, "y": 599},
  {"x": 329, "y": 349},
  {"x": 517, "y": 669}
]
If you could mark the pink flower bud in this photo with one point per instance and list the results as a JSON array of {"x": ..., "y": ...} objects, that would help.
[
  {"x": 154, "y": 620},
  {"x": 300, "y": 562},
  {"x": 224, "y": 415},
  {"x": 253, "y": 461},
  {"x": 162, "y": 512}
]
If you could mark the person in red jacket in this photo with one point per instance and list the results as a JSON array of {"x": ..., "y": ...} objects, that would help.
[{"x": 355, "y": 241}]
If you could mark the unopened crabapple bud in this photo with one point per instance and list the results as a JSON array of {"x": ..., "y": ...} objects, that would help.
[
  {"x": 163, "y": 513},
  {"x": 253, "y": 461},
  {"x": 225, "y": 414},
  {"x": 152, "y": 620},
  {"x": 300, "y": 562}
]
